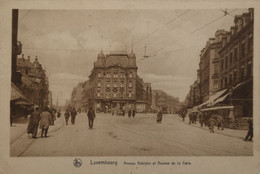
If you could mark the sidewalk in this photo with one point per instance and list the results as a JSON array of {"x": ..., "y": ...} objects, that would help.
[
  {"x": 19, "y": 140},
  {"x": 235, "y": 133}
]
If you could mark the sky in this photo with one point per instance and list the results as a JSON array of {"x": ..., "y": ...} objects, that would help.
[{"x": 67, "y": 43}]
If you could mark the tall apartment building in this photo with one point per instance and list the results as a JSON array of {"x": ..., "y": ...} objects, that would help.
[
  {"x": 209, "y": 66},
  {"x": 236, "y": 64},
  {"x": 114, "y": 83}
]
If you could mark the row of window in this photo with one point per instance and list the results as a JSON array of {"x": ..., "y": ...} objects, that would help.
[
  {"x": 114, "y": 95},
  {"x": 115, "y": 85},
  {"x": 233, "y": 77},
  {"x": 232, "y": 57},
  {"x": 115, "y": 75}
]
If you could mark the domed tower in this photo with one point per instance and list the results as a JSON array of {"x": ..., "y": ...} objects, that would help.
[
  {"x": 100, "y": 59},
  {"x": 132, "y": 59}
]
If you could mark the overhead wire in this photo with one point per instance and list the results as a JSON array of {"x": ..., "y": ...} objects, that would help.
[
  {"x": 157, "y": 29},
  {"x": 154, "y": 53}
]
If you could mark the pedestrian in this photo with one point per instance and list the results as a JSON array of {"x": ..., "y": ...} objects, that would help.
[
  {"x": 113, "y": 111},
  {"x": 211, "y": 125},
  {"x": 201, "y": 118},
  {"x": 220, "y": 122},
  {"x": 190, "y": 117},
  {"x": 129, "y": 113},
  {"x": 58, "y": 113},
  {"x": 250, "y": 130},
  {"x": 53, "y": 118},
  {"x": 195, "y": 117},
  {"x": 34, "y": 123},
  {"x": 73, "y": 116},
  {"x": 91, "y": 117},
  {"x": 67, "y": 116},
  {"x": 45, "y": 122},
  {"x": 133, "y": 113},
  {"x": 183, "y": 115},
  {"x": 159, "y": 117}
]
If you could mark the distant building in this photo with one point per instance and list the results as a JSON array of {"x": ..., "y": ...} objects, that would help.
[
  {"x": 163, "y": 101},
  {"x": 209, "y": 66},
  {"x": 115, "y": 85}
]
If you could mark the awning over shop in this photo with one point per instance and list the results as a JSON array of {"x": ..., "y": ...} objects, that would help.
[
  {"x": 213, "y": 98},
  {"x": 221, "y": 99},
  {"x": 23, "y": 103},
  {"x": 218, "y": 108},
  {"x": 16, "y": 93}
]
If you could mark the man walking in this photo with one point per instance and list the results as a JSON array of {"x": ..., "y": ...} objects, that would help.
[
  {"x": 45, "y": 122},
  {"x": 159, "y": 117},
  {"x": 250, "y": 130},
  {"x": 73, "y": 116},
  {"x": 133, "y": 113},
  {"x": 220, "y": 122},
  {"x": 34, "y": 123},
  {"x": 91, "y": 116},
  {"x": 67, "y": 116},
  {"x": 129, "y": 113}
]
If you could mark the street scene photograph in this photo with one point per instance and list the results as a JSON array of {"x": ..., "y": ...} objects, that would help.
[{"x": 132, "y": 82}]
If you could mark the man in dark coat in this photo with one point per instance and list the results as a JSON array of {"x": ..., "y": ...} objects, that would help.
[
  {"x": 129, "y": 113},
  {"x": 58, "y": 114},
  {"x": 190, "y": 117},
  {"x": 220, "y": 122},
  {"x": 91, "y": 117},
  {"x": 133, "y": 113},
  {"x": 67, "y": 116},
  {"x": 73, "y": 116},
  {"x": 159, "y": 117},
  {"x": 250, "y": 130},
  {"x": 201, "y": 118},
  {"x": 34, "y": 123}
]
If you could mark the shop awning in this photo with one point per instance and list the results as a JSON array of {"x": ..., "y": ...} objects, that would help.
[
  {"x": 23, "y": 103},
  {"x": 213, "y": 98},
  {"x": 16, "y": 93},
  {"x": 221, "y": 99},
  {"x": 218, "y": 108}
]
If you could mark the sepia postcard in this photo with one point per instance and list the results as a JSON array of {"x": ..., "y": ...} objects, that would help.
[{"x": 129, "y": 87}]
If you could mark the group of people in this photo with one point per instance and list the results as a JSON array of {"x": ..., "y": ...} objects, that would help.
[
  {"x": 41, "y": 120},
  {"x": 209, "y": 119},
  {"x": 73, "y": 113},
  {"x": 131, "y": 113}
]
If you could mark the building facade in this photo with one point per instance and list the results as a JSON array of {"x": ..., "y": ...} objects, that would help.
[
  {"x": 114, "y": 83},
  {"x": 236, "y": 68},
  {"x": 209, "y": 66},
  {"x": 166, "y": 103},
  {"x": 34, "y": 82}
]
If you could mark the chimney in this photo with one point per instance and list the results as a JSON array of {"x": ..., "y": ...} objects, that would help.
[
  {"x": 23, "y": 56},
  {"x": 29, "y": 58}
]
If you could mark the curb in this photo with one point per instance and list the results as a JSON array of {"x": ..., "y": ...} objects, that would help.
[{"x": 203, "y": 128}]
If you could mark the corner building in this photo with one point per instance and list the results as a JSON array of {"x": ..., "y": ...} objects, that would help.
[{"x": 113, "y": 82}]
